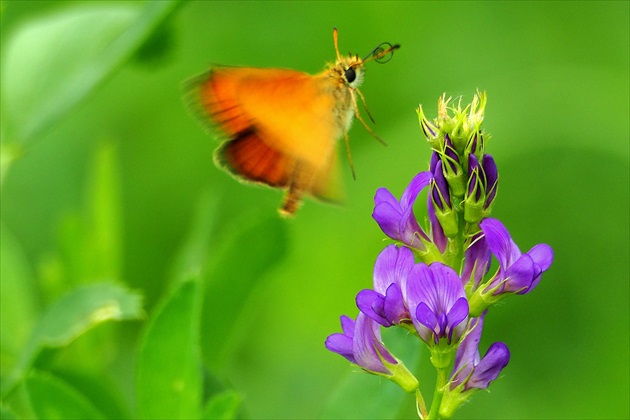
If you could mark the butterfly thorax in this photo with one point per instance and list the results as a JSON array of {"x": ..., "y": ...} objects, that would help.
[{"x": 342, "y": 78}]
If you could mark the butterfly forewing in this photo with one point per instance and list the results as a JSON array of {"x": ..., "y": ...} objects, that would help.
[{"x": 277, "y": 124}]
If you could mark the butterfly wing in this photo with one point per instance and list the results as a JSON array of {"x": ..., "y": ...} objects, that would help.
[{"x": 279, "y": 128}]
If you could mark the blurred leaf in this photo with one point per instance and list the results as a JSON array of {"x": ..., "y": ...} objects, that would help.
[
  {"x": 8, "y": 154},
  {"x": 156, "y": 49},
  {"x": 73, "y": 315},
  {"x": 17, "y": 300},
  {"x": 169, "y": 369},
  {"x": 55, "y": 61},
  {"x": 52, "y": 398},
  {"x": 362, "y": 395},
  {"x": 243, "y": 260},
  {"x": 103, "y": 210},
  {"x": 223, "y": 406},
  {"x": 89, "y": 241},
  {"x": 193, "y": 255},
  {"x": 103, "y": 393},
  {"x": 7, "y": 414}
]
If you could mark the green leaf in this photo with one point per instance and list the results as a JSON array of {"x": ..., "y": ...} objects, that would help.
[
  {"x": 71, "y": 316},
  {"x": 245, "y": 257},
  {"x": 169, "y": 369},
  {"x": 102, "y": 391},
  {"x": 223, "y": 406},
  {"x": 17, "y": 300},
  {"x": 53, "y": 62},
  {"x": 7, "y": 414},
  {"x": 362, "y": 395},
  {"x": 103, "y": 211},
  {"x": 52, "y": 398},
  {"x": 192, "y": 257}
]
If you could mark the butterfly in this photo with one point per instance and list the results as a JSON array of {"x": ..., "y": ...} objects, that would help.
[{"x": 279, "y": 127}]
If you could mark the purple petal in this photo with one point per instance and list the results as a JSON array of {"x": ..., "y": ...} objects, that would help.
[
  {"x": 457, "y": 314},
  {"x": 371, "y": 304},
  {"x": 426, "y": 323},
  {"x": 347, "y": 325},
  {"x": 472, "y": 143},
  {"x": 489, "y": 368},
  {"x": 396, "y": 219},
  {"x": 417, "y": 184},
  {"x": 387, "y": 213},
  {"x": 476, "y": 261},
  {"x": 442, "y": 186},
  {"x": 447, "y": 285},
  {"x": 392, "y": 264},
  {"x": 394, "y": 308},
  {"x": 342, "y": 344},
  {"x": 500, "y": 242},
  {"x": 410, "y": 230},
  {"x": 449, "y": 150},
  {"x": 492, "y": 177},
  {"x": 367, "y": 345},
  {"x": 434, "y": 291},
  {"x": 542, "y": 254},
  {"x": 435, "y": 158},
  {"x": 520, "y": 275},
  {"x": 467, "y": 352}
]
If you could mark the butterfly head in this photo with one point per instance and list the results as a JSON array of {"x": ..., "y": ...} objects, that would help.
[{"x": 349, "y": 69}]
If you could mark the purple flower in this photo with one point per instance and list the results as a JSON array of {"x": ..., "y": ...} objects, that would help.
[
  {"x": 476, "y": 261},
  {"x": 472, "y": 371},
  {"x": 396, "y": 219},
  {"x": 441, "y": 214},
  {"x": 437, "y": 302},
  {"x": 361, "y": 344},
  {"x": 385, "y": 304},
  {"x": 491, "y": 177},
  {"x": 482, "y": 187},
  {"x": 518, "y": 273},
  {"x": 475, "y": 142},
  {"x": 451, "y": 154}
]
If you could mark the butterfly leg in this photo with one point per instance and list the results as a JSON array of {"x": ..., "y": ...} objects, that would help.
[{"x": 358, "y": 115}]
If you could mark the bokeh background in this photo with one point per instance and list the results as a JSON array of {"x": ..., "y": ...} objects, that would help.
[{"x": 556, "y": 75}]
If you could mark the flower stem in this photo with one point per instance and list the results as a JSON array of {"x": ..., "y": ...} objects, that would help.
[
  {"x": 455, "y": 253},
  {"x": 438, "y": 394}
]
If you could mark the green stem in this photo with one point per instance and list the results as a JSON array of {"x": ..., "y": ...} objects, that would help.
[
  {"x": 438, "y": 394},
  {"x": 456, "y": 248}
]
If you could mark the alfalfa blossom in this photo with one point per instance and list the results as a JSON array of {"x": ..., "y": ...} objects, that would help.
[
  {"x": 361, "y": 344},
  {"x": 384, "y": 304},
  {"x": 518, "y": 273},
  {"x": 398, "y": 221},
  {"x": 471, "y": 372},
  {"x": 434, "y": 281},
  {"x": 437, "y": 303}
]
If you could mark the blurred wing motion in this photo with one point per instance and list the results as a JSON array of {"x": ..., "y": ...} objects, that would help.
[{"x": 278, "y": 126}]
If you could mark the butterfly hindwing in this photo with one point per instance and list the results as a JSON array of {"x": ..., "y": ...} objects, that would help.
[{"x": 276, "y": 126}]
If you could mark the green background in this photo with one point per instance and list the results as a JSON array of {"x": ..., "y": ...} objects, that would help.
[{"x": 556, "y": 75}]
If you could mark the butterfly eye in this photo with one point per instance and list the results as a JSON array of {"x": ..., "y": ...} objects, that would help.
[{"x": 350, "y": 75}]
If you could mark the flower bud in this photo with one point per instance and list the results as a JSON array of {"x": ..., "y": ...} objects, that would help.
[
  {"x": 482, "y": 187},
  {"x": 442, "y": 203}
]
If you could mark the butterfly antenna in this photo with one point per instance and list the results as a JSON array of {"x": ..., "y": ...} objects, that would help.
[
  {"x": 336, "y": 39},
  {"x": 382, "y": 54}
]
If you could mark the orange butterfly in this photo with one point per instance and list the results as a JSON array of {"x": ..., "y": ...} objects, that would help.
[{"x": 280, "y": 126}]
